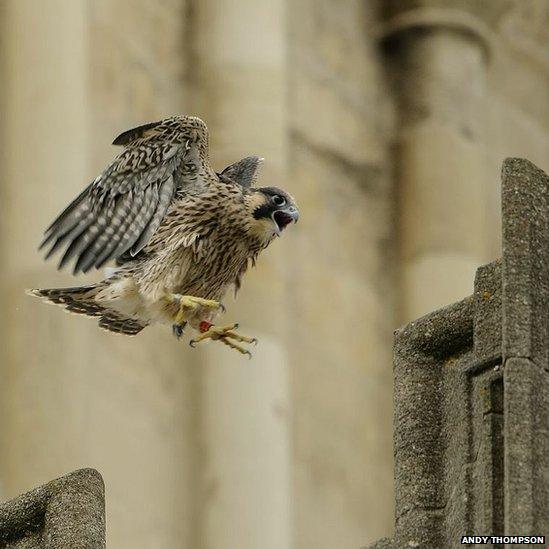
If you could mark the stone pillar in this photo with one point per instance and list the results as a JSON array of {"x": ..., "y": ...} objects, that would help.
[
  {"x": 238, "y": 83},
  {"x": 44, "y": 149},
  {"x": 438, "y": 59},
  {"x": 342, "y": 285},
  {"x": 75, "y": 74},
  {"x": 471, "y": 384},
  {"x": 525, "y": 334}
]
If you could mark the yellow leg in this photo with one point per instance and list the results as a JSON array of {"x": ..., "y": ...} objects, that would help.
[
  {"x": 226, "y": 335},
  {"x": 188, "y": 303}
]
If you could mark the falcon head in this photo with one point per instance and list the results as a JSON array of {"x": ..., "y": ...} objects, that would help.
[{"x": 272, "y": 211}]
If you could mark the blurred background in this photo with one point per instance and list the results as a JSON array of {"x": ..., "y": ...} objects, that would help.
[{"x": 388, "y": 121}]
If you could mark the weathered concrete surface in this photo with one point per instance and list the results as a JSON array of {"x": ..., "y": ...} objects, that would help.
[
  {"x": 471, "y": 429},
  {"x": 67, "y": 513},
  {"x": 526, "y": 346},
  {"x": 526, "y": 261}
]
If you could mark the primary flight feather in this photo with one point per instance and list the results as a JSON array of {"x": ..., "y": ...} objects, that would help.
[{"x": 180, "y": 233}]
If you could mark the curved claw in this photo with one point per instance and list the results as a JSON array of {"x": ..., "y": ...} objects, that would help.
[
  {"x": 225, "y": 335},
  {"x": 177, "y": 330},
  {"x": 254, "y": 341},
  {"x": 222, "y": 308}
]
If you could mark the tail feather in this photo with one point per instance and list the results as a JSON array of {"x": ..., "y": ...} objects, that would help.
[
  {"x": 117, "y": 323},
  {"x": 81, "y": 300}
]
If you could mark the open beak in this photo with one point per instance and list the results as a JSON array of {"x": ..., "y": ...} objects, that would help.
[{"x": 282, "y": 218}]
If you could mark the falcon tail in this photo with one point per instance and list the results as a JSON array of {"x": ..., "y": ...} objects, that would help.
[{"x": 81, "y": 300}]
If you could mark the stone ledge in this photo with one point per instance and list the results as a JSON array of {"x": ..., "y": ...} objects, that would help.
[{"x": 66, "y": 513}]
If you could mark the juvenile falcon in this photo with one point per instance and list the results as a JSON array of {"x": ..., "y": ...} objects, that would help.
[{"x": 180, "y": 233}]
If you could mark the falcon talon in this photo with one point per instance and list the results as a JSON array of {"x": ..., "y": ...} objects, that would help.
[
  {"x": 225, "y": 335},
  {"x": 170, "y": 222},
  {"x": 178, "y": 329},
  {"x": 235, "y": 346}
]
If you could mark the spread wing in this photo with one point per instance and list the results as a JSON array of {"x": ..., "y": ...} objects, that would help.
[{"x": 120, "y": 211}]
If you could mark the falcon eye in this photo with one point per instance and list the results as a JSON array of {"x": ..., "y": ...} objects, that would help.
[{"x": 279, "y": 200}]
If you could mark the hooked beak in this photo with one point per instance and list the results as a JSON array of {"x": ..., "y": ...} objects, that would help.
[{"x": 282, "y": 218}]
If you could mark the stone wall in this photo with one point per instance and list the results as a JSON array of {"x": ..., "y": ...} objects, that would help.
[{"x": 471, "y": 386}]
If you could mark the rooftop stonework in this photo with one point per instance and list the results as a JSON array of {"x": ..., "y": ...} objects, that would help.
[
  {"x": 471, "y": 436},
  {"x": 66, "y": 513}
]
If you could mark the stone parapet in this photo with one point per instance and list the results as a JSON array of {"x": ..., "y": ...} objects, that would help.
[{"x": 472, "y": 392}]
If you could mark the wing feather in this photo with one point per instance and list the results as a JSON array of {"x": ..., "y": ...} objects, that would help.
[
  {"x": 66, "y": 222},
  {"x": 71, "y": 234},
  {"x": 165, "y": 196},
  {"x": 244, "y": 172},
  {"x": 125, "y": 205},
  {"x": 69, "y": 211},
  {"x": 113, "y": 228},
  {"x": 135, "y": 133},
  {"x": 131, "y": 230},
  {"x": 85, "y": 238},
  {"x": 138, "y": 226}
]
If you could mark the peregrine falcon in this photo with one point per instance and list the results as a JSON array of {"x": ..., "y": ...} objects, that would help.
[{"x": 180, "y": 234}]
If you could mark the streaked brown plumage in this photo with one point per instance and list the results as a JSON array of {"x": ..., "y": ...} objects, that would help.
[{"x": 180, "y": 233}]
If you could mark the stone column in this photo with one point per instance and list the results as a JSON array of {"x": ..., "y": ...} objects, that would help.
[
  {"x": 238, "y": 82},
  {"x": 44, "y": 148},
  {"x": 342, "y": 282},
  {"x": 439, "y": 63},
  {"x": 75, "y": 74},
  {"x": 471, "y": 393}
]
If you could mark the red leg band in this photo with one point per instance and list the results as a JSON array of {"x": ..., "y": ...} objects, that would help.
[{"x": 204, "y": 326}]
